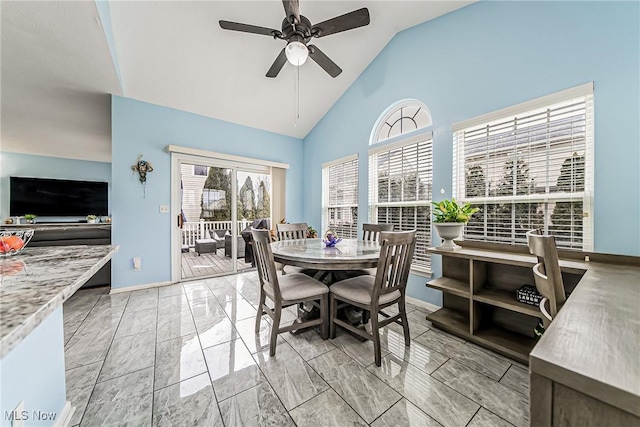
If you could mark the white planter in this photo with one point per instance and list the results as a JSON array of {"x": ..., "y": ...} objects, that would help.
[
  {"x": 92, "y": 221},
  {"x": 449, "y": 231}
]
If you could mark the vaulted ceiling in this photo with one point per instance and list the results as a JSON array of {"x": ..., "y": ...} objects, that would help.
[{"x": 57, "y": 68}]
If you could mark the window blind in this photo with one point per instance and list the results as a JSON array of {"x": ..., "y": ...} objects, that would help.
[
  {"x": 400, "y": 185},
  {"x": 340, "y": 197},
  {"x": 530, "y": 169}
]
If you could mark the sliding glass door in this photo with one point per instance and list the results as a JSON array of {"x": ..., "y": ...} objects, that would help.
[{"x": 215, "y": 201}]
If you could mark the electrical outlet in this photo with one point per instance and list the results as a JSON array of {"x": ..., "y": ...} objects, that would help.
[
  {"x": 137, "y": 263},
  {"x": 164, "y": 208}
]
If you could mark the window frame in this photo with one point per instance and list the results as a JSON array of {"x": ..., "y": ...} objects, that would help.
[
  {"x": 543, "y": 198},
  {"x": 404, "y": 140},
  {"x": 326, "y": 206}
]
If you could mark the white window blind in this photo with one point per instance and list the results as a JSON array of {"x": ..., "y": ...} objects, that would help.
[
  {"x": 529, "y": 169},
  {"x": 340, "y": 197},
  {"x": 400, "y": 181}
]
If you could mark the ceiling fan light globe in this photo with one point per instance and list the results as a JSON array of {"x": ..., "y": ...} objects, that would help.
[{"x": 297, "y": 53}]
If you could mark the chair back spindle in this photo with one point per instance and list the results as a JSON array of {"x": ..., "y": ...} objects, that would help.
[
  {"x": 396, "y": 255},
  {"x": 264, "y": 261},
  {"x": 292, "y": 231},
  {"x": 371, "y": 232}
]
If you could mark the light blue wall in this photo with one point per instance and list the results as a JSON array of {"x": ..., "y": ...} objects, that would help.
[
  {"x": 141, "y": 128},
  {"x": 492, "y": 55},
  {"x": 34, "y": 372},
  {"x": 15, "y": 164}
]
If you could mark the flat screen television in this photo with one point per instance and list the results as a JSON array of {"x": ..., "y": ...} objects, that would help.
[{"x": 57, "y": 197}]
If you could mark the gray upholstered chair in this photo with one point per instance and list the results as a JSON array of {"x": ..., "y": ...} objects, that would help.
[
  {"x": 294, "y": 288},
  {"x": 292, "y": 232},
  {"x": 547, "y": 274},
  {"x": 375, "y": 293}
]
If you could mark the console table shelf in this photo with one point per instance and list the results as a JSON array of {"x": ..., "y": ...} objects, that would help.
[{"x": 479, "y": 297}]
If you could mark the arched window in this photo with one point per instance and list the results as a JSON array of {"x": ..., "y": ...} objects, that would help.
[
  {"x": 401, "y": 118},
  {"x": 401, "y": 174}
]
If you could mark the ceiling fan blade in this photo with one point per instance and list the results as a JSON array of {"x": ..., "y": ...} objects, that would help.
[
  {"x": 246, "y": 28},
  {"x": 277, "y": 65},
  {"x": 292, "y": 7},
  {"x": 348, "y": 21},
  {"x": 323, "y": 61}
]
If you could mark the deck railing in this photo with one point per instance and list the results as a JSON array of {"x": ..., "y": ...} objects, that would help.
[{"x": 200, "y": 230}]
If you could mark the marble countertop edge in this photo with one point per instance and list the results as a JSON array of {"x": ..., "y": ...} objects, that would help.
[{"x": 18, "y": 333}]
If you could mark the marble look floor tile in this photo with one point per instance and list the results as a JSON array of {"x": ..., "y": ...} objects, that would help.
[
  {"x": 188, "y": 403},
  {"x": 226, "y": 293},
  {"x": 206, "y": 307},
  {"x": 442, "y": 403},
  {"x": 129, "y": 354},
  {"x": 361, "y": 352},
  {"x": 257, "y": 406},
  {"x": 485, "y": 418},
  {"x": 178, "y": 359},
  {"x": 173, "y": 304},
  {"x": 405, "y": 414},
  {"x": 101, "y": 319},
  {"x": 137, "y": 322},
  {"x": 308, "y": 344},
  {"x": 175, "y": 325},
  {"x": 326, "y": 410},
  {"x": 362, "y": 390},
  {"x": 256, "y": 342},
  {"x": 80, "y": 382},
  {"x": 217, "y": 282},
  {"x": 501, "y": 400},
  {"x": 123, "y": 401},
  {"x": 232, "y": 369},
  {"x": 197, "y": 292},
  {"x": 291, "y": 377},
  {"x": 215, "y": 330},
  {"x": 170, "y": 291},
  {"x": 239, "y": 309},
  {"x": 470, "y": 355},
  {"x": 417, "y": 354},
  {"x": 252, "y": 295},
  {"x": 143, "y": 300},
  {"x": 517, "y": 379},
  {"x": 113, "y": 300},
  {"x": 84, "y": 349},
  {"x": 418, "y": 318}
]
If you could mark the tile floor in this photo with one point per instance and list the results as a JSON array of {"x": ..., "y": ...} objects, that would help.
[{"x": 186, "y": 355}]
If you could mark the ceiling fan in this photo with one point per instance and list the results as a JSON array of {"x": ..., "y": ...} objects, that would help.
[{"x": 298, "y": 32}]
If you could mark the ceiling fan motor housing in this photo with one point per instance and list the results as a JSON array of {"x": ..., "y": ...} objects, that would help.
[{"x": 302, "y": 30}]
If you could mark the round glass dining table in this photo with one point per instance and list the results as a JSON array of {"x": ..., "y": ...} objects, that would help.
[{"x": 349, "y": 254}]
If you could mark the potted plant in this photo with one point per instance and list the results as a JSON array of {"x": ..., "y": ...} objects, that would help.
[
  {"x": 92, "y": 219},
  {"x": 30, "y": 218},
  {"x": 450, "y": 218}
]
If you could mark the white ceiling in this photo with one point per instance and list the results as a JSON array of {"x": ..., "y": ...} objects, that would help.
[{"x": 57, "y": 69}]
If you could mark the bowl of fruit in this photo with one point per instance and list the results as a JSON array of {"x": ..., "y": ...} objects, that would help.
[{"x": 14, "y": 241}]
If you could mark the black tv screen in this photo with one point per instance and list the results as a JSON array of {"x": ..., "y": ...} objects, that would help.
[{"x": 57, "y": 197}]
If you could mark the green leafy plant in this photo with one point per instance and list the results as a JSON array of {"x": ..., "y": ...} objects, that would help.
[
  {"x": 311, "y": 233},
  {"x": 451, "y": 211},
  {"x": 30, "y": 217},
  {"x": 91, "y": 217}
]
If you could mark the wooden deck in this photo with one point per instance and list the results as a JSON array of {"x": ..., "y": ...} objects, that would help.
[{"x": 208, "y": 264}]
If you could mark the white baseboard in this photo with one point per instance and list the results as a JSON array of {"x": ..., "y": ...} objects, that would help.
[
  {"x": 423, "y": 304},
  {"x": 64, "y": 417},
  {"x": 139, "y": 287}
]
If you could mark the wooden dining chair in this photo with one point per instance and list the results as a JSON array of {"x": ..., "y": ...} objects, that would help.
[
  {"x": 547, "y": 274},
  {"x": 376, "y": 293},
  {"x": 294, "y": 288},
  {"x": 371, "y": 232},
  {"x": 292, "y": 232}
]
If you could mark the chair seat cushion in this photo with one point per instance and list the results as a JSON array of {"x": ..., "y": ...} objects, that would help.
[
  {"x": 297, "y": 286},
  {"x": 359, "y": 289}
]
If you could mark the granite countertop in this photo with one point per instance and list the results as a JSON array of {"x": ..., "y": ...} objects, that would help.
[
  {"x": 593, "y": 345},
  {"x": 37, "y": 281}
]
